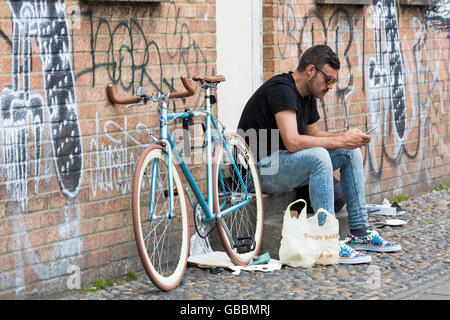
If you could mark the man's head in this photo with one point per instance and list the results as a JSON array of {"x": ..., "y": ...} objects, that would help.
[{"x": 320, "y": 66}]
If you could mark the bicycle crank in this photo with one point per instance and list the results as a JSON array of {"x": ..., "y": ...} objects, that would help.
[{"x": 203, "y": 229}]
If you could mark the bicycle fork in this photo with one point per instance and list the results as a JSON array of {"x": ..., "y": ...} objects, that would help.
[{"x": 164, "y": 140}]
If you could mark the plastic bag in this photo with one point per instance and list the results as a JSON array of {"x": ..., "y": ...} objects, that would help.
[
  {"x": 199, "y": 245},
  {"x": 305, "y": 243}
]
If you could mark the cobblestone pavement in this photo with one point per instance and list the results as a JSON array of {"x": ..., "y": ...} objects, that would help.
[{"x": 423, "y": 261}]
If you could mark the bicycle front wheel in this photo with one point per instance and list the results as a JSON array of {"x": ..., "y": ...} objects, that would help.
[
  {"x": 241, "y": 231},
  {"x": 162, "y": 238}
]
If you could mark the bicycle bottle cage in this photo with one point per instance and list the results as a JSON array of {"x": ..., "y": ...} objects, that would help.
[
  {"x": 245, "y": 244},
  {"x": 189, "y": 121},
  {"x": 204, "y": 141},
  {"x": 186, "y": 139}
]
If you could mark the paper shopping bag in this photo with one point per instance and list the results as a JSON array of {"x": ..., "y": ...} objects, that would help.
[{"x": 305, "y": 243}]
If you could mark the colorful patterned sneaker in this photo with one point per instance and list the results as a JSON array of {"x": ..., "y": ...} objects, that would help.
[
  {"x": 372, "y": 242},
  {"x": 349, "y": 256}
]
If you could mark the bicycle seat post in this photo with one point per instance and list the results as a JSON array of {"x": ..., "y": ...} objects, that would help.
[{"x": 209, "y": 175}]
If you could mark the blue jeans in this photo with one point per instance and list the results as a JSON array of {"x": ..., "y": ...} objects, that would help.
[{"x": 282, "y": 171}]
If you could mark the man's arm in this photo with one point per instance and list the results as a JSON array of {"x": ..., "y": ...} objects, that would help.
[
  {"x": 287, "y": 124},
  {"x": 314, "y": 130}
]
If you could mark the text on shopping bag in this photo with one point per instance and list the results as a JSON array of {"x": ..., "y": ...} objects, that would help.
[{"x": 322, "y": 237}]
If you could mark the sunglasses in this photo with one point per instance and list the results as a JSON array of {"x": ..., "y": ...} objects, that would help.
[{"x": 330, "y": 80}]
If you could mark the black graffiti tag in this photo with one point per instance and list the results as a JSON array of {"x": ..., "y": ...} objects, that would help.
[{"x": 45, "y": 21}]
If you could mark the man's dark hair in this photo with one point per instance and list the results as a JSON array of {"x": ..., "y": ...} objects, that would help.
[{"x": 319, "y": 55}]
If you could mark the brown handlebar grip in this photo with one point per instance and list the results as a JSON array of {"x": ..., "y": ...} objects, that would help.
[
  {"x": 114, "y": 99},
  {"x": 190, "y": 91}
]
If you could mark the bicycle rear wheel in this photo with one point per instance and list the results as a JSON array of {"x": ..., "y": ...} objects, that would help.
[
  {"x": 245, "y": 224},
  {"x": 162, "y": 241}
]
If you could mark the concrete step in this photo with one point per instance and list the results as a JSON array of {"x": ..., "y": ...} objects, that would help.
[{"x": 274, "y": 205}]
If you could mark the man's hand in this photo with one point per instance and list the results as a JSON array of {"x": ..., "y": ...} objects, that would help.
[{"x": 354, "y": 138}]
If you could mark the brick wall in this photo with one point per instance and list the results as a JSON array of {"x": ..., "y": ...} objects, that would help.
[
  {"x": 394, "y": 74},
  {"x": 67, "y": 156}
]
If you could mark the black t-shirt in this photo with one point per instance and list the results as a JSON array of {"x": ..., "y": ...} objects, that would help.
[{"x": 276, "y": 94}]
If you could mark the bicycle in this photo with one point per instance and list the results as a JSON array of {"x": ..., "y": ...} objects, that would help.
[{"x": 233, "y": 203}]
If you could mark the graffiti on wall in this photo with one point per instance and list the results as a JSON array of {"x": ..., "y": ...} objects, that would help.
[
  {"x": 395, "y": 106},
  {"x": 392, "y": 83},
  {"x": 40, "y": 136},
  {"x": 112, "y": 162},
  {"x": 386, "y": 89},
  {"x": 298, "y": 30},
  {"x": 384, "y": 18},
  {"x": 45, "y": 22},
  {"x": 134, "y": 59},
  {"x": 28, "y": 113},
  {"x": 439, "y": 14}
]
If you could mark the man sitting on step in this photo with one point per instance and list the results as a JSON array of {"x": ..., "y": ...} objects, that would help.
[{"x": 283, "y": 112}]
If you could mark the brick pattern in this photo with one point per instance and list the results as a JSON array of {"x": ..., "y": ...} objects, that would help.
[
  {"x": 43, "y": 231},
  {"x": 394, "y": 74}
]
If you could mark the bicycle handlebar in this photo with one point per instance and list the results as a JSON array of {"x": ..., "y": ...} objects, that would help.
[
  {"x": 113, "y": 99},
  {"x": 190, "y": 91}
]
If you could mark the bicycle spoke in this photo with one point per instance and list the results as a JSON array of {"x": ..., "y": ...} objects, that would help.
[
  {"x": 162, "y": 233},
  {"x": 239, "y": 183},
  {"x": 239, "y": 221}
]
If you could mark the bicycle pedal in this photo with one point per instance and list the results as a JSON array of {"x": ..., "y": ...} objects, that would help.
[{"x": 245, "y": 244}]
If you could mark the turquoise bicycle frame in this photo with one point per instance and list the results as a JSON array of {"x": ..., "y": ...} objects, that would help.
[{"x": 207, "y": 206}]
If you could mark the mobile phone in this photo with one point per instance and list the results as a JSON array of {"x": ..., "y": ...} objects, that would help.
[{"x": 370, "y": 130}]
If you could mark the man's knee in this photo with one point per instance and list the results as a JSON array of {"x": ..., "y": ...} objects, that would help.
[
  {"x": 321, "y": 157},
  {"x": 352, "y": 158},
  {"x": 355, "y": 155}
]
